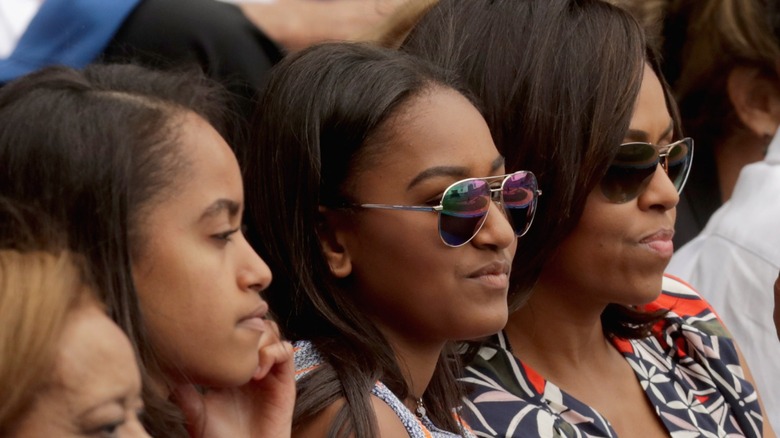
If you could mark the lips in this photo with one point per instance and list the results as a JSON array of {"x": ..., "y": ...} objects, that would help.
[
  {"x": 494, "y": 275},
  {"x": 255, "y": 320},
  {"x": 660, "y": 242}
]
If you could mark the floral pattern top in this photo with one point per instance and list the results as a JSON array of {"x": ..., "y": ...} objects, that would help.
[
  {"x": 308, "y": 359},
  {"x": 689, "y": 370}
]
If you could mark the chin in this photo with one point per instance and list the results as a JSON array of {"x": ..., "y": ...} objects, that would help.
[
  {"x": 229, "y": 376},
  {"x": 489, "y": 325}
]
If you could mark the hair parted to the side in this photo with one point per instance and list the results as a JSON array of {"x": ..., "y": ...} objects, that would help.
[
  {"x": 558, "y": 80},
  {"x": 93, "y": 149},
  {"x": 323, "y": 112}
]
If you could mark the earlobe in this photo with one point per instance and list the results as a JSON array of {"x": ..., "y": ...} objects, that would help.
[
  {"x": 756, "y": 99},
  {"x": 329, "y": 231}
]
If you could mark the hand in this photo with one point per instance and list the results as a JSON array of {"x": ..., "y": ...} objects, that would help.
[
  {"x": 296, "y": 24},
  {"x": 262, "y": 407}
]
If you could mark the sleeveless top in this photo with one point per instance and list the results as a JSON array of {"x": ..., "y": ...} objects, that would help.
[
  {"x": 308, "y": 359},
  {"x": 689, "y": 370}
]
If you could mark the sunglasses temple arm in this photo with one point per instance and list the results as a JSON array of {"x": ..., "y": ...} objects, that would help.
[{"x": 401, "y": 207}]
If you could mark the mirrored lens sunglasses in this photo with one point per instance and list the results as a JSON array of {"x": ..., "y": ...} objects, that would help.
[{"x": 465, "y": 204}]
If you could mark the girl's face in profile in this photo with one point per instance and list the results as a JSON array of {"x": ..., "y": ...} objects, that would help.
[
  {"x": 95, "y": 388},
  {"x": 197, "y": 278},
  {"x": 412, "y": 284}
]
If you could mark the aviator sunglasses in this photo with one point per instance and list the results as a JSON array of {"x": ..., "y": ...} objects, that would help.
[
  {"x": 632, "y": 169},
  {"x": 464, "y": 205}
]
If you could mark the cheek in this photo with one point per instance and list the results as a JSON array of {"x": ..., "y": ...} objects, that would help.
[
  {"x": 399, "y": 248},
  {"x": 395, "y": 260}
]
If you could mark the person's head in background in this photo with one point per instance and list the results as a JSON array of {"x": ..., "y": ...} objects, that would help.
[
  {"x": 722, "y": 60},
  {"x": 129, "y": 162},
  {"x": 378, "y": 292},
  {"x": 554, "y": 104},
  {"x": 65, "y": 368}
]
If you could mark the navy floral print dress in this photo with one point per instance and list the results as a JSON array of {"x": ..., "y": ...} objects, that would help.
[{"x": 689, "y": 370}]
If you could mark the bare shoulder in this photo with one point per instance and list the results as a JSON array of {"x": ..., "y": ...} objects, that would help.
[{"x": 389, "y": 424}]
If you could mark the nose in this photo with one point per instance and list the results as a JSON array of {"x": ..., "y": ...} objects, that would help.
[
  {"x": 253, "y": 273},
  {"x": 497, "y": 232},
  {"x": 660, "y": 192}
]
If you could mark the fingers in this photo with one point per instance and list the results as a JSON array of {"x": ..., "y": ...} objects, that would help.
[{"x": 279, "y": 355}]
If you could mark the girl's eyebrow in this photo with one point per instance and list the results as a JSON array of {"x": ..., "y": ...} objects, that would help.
[
  {"x": 451, "y": 171},
  {"x": 220, "y": 205}
]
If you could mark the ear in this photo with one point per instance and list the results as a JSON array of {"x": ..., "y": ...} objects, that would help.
[
  {"x": 756, "y": 99},
  {"x": 331, "y": 232}
]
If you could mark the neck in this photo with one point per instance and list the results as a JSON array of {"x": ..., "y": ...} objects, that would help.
[
  {"x": 552, "y": 318},
  {"x": 417, "y": 361}
]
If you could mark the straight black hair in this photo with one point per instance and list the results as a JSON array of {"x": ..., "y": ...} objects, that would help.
[{"x": 323, "y": 112}]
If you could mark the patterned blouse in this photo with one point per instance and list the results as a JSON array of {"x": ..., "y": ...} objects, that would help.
[
  {"x": 308, "y": 359},
  {"x": 689, "y": 370}
]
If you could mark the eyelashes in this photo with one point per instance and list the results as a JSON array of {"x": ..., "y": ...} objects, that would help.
[{"x": 228, "y": 235}]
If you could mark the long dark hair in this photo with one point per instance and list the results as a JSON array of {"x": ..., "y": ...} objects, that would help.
[
  {"x": 558, "y": 80},
  {"x": 93, "y": 150},
  {"x": 321, "y": 112}
]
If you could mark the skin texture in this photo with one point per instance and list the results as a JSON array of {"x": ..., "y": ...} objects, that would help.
[
  {"x": 196, "y": 275},
  {"x": 95, "y": 389},
  {"x": 400, "y": 268}
]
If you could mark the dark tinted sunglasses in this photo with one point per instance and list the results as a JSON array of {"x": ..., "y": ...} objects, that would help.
[
  {"x": 464, "y": 205},
  {"x": 632, "y": 169}
]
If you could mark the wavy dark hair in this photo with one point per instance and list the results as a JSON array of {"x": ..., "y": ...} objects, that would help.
[
  {"x": 558, "y": 80},
  {"x": 323, "y": 112},
  {"x": 94, "y": 149}
]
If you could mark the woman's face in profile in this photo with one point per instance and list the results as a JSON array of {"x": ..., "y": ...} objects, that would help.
[
  {"x": 619, "y": 251},
  {"x": 95, "y": 387}
]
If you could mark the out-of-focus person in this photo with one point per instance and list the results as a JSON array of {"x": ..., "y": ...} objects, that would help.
[{"x": 65, "y": 368}]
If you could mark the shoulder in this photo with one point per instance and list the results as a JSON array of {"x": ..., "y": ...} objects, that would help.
[
  {"x": 388, "y": 423},
  {"x": 506, "y": 397},
  {"x": 306, "y": 358},
  {"x": 682, "y": 300}
]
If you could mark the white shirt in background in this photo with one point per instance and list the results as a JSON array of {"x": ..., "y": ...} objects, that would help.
[
  {"x": 15, "y": 16},
  {"x": 734, "y": 263}
]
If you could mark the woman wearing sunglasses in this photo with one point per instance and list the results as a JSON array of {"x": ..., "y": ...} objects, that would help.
[
  {"x": 393, "y": 227},
  {"x": 604, "y": 345}
]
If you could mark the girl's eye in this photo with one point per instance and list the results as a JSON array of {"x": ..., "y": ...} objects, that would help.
[
  {"x": 227, "y": 235},
  {"x": 434, "y": 201}
]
